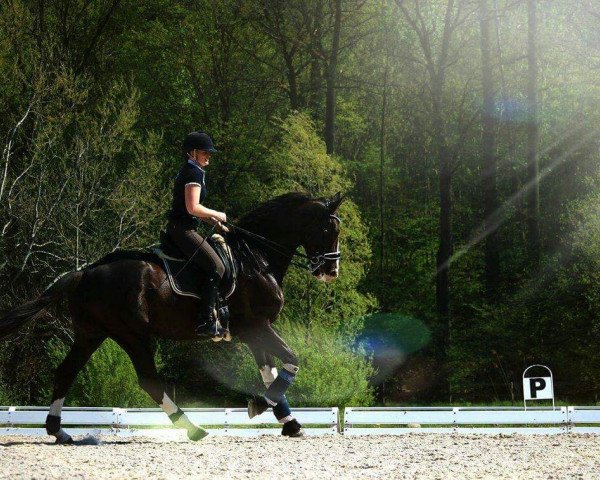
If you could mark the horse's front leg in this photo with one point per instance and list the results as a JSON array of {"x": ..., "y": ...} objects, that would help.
[
  {"x": 141, "y": 353},
  {"x": 282, "y": 412},
  {"x": 268, "y": 340}
]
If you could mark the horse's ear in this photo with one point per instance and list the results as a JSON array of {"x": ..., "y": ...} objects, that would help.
[{"x": 335, "y": 202}]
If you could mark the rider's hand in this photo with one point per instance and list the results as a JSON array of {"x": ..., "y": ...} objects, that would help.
[
  {"x": 222, "y": 228},
  {"x": 221, "y": 217}
]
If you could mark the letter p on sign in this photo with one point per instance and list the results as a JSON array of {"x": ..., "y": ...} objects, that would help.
[{"x": 538, "y": 388}]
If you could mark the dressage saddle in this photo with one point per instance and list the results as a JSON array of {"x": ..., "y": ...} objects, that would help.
[{"x": 185, "y": 276}]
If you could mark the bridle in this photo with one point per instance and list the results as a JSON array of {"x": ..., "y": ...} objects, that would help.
[{"x": 315, "y": 261}]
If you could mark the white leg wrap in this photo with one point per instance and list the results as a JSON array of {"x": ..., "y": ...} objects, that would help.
[
  {"x": 56, "y": 407},
  {"x": 286, "y": 419},
  {"x": 167, "y": 405},
  {"x": 268, "y": 374}
]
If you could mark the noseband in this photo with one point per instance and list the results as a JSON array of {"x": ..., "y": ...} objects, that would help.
[{"x": 315, "y": 261}]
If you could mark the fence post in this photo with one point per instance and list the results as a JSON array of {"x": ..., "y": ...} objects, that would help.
[
  {"x": 335, "y": 414},
  {"x": 226, "y": 424},
  {"x": 117, "y": 420},
  {"x": 347, "y": 426},
  {"x": 569, "y": 425},
  {"x": 10, "y": 410}
]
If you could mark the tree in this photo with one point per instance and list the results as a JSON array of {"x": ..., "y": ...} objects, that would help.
[
  {"x": 332, "y": 78},
  {"x": 436, "y": 57},
  {"x": 533, "y": 169},
  {"x": 489, "y": 159}
]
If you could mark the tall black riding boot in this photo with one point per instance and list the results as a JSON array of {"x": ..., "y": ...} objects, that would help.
[{"x": 207, "y": 322}]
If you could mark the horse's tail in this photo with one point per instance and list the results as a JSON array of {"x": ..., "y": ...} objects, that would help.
[{"x": 22, "y": 314}]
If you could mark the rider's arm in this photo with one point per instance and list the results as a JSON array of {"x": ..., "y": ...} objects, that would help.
[{"x": 193, "y": 205}]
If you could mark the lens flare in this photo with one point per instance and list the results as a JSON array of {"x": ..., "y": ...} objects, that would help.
[{"x": 389, "y": 338}]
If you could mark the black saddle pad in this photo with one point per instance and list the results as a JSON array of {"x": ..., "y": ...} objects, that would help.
[{"x": 185, "y": 277}]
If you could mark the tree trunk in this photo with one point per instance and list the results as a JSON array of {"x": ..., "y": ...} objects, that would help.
[
  {"x": 489, "y": 168},
  {"x": 292, "y": 81},
  {"x": 444, "y": 252},
  {"x": 316, "y": 75},
  {"x": 445, "y": 181},
  {"x": 331, "y": 79},
  {"x": 533, "y": 194},
  {"x": 445, "y": 245},
  {"x": 382, "y": 180}
]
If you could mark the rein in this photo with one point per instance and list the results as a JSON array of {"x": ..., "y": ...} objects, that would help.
[{"x": 315, "y": 260}]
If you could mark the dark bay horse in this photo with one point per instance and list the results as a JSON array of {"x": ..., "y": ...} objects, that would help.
[{"x": 124, "y": 296}]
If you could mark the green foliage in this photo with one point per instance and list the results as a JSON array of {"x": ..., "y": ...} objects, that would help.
[
  {"x": 5, "y": 397},
  {"x": 299, "y": 161},
  {"x": 339, "y": 304},
  {"x": 108, "y": 380},
  {"x": 332, "y": 370},
  {"x": 141, "y": 214}
]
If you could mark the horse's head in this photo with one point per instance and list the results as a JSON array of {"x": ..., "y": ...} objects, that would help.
[{"x": 321, "y": 237}]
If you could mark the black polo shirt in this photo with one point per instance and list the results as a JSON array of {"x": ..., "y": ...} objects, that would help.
[{"x": 189, "y": 173}]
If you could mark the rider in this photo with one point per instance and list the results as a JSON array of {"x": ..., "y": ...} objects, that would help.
[{"x": 184, "y": 217}]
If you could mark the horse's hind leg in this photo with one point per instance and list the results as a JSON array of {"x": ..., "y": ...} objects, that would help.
[
  {"x": 142, "y": 357},
  {"x": 80, "y": 353}
]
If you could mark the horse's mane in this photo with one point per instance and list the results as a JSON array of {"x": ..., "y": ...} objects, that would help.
[
  {"x": 270, "y": 210},
  {"x": 260, "y": 220}
]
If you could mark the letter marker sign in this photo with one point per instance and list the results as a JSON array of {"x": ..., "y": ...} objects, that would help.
[{"x": 538, "y": 388}]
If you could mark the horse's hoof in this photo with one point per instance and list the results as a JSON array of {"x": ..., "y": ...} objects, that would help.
[
  {"x": 227, "y": 336},
  {"x": 256, "y": 406},
  {"x": 197, "y": 434},
  {"x": 65, "y": 441},
  {"x": 217, "y": 339},
  {"x": 292, "y": 429}
]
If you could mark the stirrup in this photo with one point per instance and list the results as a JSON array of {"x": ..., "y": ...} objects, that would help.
[
  {"x": 223, "y": 319},
  {"x": 209, "y": 329},
  {"x": 224, "y": 314}
]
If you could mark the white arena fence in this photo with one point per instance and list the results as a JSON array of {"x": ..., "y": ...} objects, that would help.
[
  {"x": 316, "y": 421},
  {"x": 469, "y": 420},
  {"x": 154, "y": 422}
]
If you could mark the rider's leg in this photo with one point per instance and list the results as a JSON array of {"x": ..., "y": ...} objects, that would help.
[
  {"x": 203, "y": 255},
  {"x": 209, "y": 291},
  {"x": 194, "y": 246}
]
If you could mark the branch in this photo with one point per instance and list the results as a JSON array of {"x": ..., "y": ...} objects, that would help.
[
  {"x": 7, "y": 149},
  {"x": 97, "y": 34}
]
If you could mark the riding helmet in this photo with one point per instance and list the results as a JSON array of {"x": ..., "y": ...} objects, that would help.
[{"x": 198, "y": 141}]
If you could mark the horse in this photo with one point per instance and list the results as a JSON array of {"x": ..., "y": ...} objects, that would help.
[{"x": 124, "y": 296}]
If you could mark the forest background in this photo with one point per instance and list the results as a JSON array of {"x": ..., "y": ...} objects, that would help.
[{"x": 464, "y": 133}]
